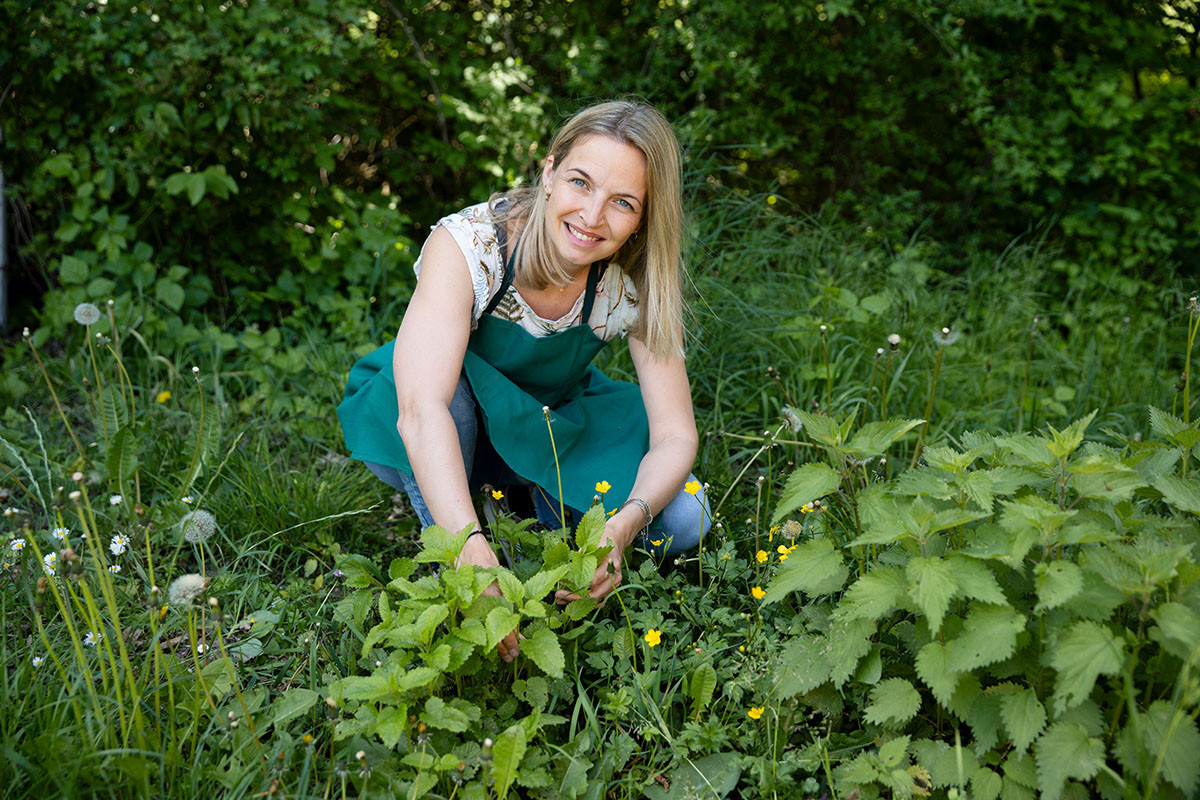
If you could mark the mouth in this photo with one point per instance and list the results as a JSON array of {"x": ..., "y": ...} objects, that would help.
[{"x": 580, "y": 236}]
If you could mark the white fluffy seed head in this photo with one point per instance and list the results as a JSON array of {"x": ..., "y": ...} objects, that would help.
[
  {"x": 198, "y": 526},
  {"x": 185, "y": 589},
  {"x": 87, "y": 314}
]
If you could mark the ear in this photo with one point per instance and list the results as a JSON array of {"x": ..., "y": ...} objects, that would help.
[{"x": 548, "y": 172}]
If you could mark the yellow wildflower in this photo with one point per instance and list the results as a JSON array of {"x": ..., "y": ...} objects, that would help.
[
  {"x": 657, "y": 542},
  {"x": 653, "y": 637},
  {"x": 762, "y": 556},
  {"x": 771, "y": 533},
  {"x": 497, "y": 494},
  {"x": 771, "y": 200},
  {"x": 602, "y": 487},
  {"x": 163, "y": 397},
  {"x": 758, "y": 593},
  {"x": 756, "y": 712},
  {"x": 692, "y": 487}
]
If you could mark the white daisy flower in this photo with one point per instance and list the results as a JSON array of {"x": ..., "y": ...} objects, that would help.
[
  {"x": 187, "y": 498},
  {"x": 118, "y": 544},
  {"x": 202, "y": 648},
  {"x": 93, "y": 638},
  {"x": 17, "y": 545},
  {"x": 51, "y": 562},
  {"x": 114, "y": 568},
  {"x": 37, "y": 661},
  {"x": 115, "y": 500},
  {"x": 60, "y": 534}
]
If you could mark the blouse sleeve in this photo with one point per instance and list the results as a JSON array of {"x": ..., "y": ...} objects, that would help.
[{"x": 473, "y": 231}]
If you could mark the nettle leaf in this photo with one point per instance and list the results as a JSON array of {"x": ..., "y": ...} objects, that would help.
[
  {"x": 429, "y": 620},
  {"x": 590, "y": 529},
  {"x": 701, "y": 687},
  {"x": 1064, "y": 752},
  {"x": 894, "y": 701},
  {"x": 1179, "y": 492},
  {"x": 989, "y": 635},
  {"x": 1032, "y": 449},
  {"x": 1056, "y": 583},
  {"x": 500, "y": 622},
  {"x": 1179, "y": 625},
  {"x": 814, "y": 567},
  {"x": 820, "y": 428},
  {"x": 1087, "y": 651},
  {"x": 507, "y": 753},
  {"x": 541, "y": 583},
  {"x": 874, "y": 438},
  {"x": 1006, "y": 480},
  {"x": 978, "y": 486},
  {"x": 924, "y": 481},
  {"x": 891, "y": 753},
  {"x": 416, "y": 678},
  {"x": 976, "y": 581},
  {"x": 1023, "y": 715},
  {"x": 985, "y": 784},
  {"x": 984, "y": 721},
  {"x": 439, "y": 714},
  {"x": 543, "y": 649},
  {"x": 510, "y": 585},
  {"x": 440, "y": 546},
  {"x": 1172, "y": 428},
  {"x": 933, "y": 667},
  {"x": 357, "y": 571},
  {"x": 849, "y": 640},
  {"x": 874, "y": 594},
  {"x": 1104, "y": 478},
  {"x": 1064, "y": 442},
  {"x": 803, "y": 666},
  {"x": 390, "y": 724},
  {"x": 809, "y": 482},
  {"x": 1171, "y": 734},
  {"x": 931, "y": 585}
]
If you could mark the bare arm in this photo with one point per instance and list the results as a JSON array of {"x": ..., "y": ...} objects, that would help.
[{"x": 427, "y": 363}]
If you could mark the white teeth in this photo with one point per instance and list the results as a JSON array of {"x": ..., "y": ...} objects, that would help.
[{"x": 581, "y": 235}]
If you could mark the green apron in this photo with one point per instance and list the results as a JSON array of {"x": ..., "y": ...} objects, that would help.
[{"x": 600, "y": 428}]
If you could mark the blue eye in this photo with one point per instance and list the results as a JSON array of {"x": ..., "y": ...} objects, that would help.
[
  {"x": 578, "y": 181},
  {"x": 628, "y": 204}
]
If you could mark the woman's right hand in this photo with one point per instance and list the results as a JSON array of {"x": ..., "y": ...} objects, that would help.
[{"x": 478, "y": 552}]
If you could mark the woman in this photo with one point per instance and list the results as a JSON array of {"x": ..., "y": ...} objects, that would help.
[{"x": 514, "y": 298}]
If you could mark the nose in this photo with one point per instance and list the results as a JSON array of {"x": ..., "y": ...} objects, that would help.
[{"x": 592, "y": 212}]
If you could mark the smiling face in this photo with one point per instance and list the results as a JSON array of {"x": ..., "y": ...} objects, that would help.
[{"x": 597, "y": 199}]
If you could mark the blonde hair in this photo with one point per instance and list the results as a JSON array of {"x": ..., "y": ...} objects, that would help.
[{"x": 653, "y": 257}]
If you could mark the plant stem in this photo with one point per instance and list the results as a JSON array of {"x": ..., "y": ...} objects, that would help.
[
  {"x": 1025, "y": 381},
  {"x": 937, "y": 368},
  {"x": 562, "y": 512}
]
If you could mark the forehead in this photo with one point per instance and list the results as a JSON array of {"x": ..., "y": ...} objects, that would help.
[{"x": 616, "y": 165}]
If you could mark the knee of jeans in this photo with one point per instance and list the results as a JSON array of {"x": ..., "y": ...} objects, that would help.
[{"x": 685, "y": 520}]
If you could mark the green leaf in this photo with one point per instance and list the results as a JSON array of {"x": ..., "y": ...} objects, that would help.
[
  {"x": 891, "y": 753},
  {"x": 1171, "y": 734},
  {"x": 849, "y": 640},
  {"x": 624, "y": 643},
  {"x": 1178, "y": 623},
  {"x": 416, "y": 678},
  {"x": 1023, "y": 715},
  {"x": 1180, "y": 492},
  {"x": 72, "y": 270},
  {"x": 438, "y": 714},
  {"x": 814, "y": 567},
  {"x": 1056, "y": 583},
  {"x": 357, "y": 571},
  {"x": 821, "y": 428},
  {"x": 710, "y": 777},
  {"x": 500, "y": 622},
  {"x": 985, "y": 784},
  {"x": 1065, "y": 442},
  {"x": 894, "y": 701},
  {"x": 439, "y": 546},
  {"x": 114, "y": 410},
  {"x": 976, "y": 581},
  {"x": 873, "y": 595},
  {"x": 989, "y": 635},
  {"x": 429, "y": 620},
  {"x": 933, "y": 667},
  {"x": 701, "y": 686},
  {"x": 290, "y": 705},
  {"x": 1065, "y": 751},
  {"x": 803, "y": 666},
  {"x": 590, "y": 529},
  {"x": 1166, "y": 425},
  {"x": 507, "y": 753},
  {"x": 1087, "y": 651},
  {"x": 541, "y": 583},
  {"x": 809, "y": 482},
  {"x": 931, "y": 585},
  {"x": 510, "y": 585},
  {"x": 874, "y": 438},
  {"x": 122, "y": 456},
  {"x": 390, "y": 723},
  {"x": 543, "y": 649},
  {"x": 978, "y": 486},
  {"x": 369, "y": 687}
]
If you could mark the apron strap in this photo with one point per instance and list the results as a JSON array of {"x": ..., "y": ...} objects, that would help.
[{"x": 589, "y": 292}]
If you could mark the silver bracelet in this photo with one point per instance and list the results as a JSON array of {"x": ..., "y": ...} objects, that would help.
[{"x": 642, "y": 504}]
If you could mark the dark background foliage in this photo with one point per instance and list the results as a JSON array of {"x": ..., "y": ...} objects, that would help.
[{"x": 244, "y": 164}]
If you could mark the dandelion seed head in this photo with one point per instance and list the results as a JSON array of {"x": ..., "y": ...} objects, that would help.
[
  {"x": 77, "y": 477},
  {"x": 823, "y": 329},
  {"x": 195, "y": 370},
  {"x": 185, "y": 589},
  {"x": 878, "y": 352},
  {"x": 198, "y": 526},
  {"x": 75, "y": 496},
  {"x": 87, "y": 314},
  {"x": 792, "y": 419},
  {"x": 893, "y": 339},
  {"x": 25, "y": 333},
  {"x": 945, "y": 337}
]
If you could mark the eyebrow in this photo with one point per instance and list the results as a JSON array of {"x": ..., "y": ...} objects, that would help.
[{"x": 616, "y": 194}]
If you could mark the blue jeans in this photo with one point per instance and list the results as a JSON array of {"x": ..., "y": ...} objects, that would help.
[{"x": 677, "y": 528}]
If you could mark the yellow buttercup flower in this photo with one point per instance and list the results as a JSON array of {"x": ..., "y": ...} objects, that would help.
[
  {"x": 756, "y": 712},
  {"x": 758, "y": 593},
  {"x": 653, "y": 637},
  {"x": 602, "y": 487},
  {"x": 762, "y": 556},
  {"x": 657, "y": 542},
  {"x": 162, "y": 397},
  {"x": 497, "y": 494},
  {"x": 692, "y": 487},
  {"x": 771, "y": 200}
]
